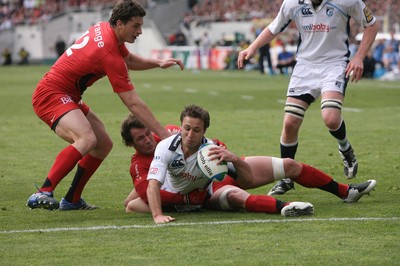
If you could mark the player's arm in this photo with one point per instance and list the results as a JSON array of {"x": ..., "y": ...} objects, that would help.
[
  {"x": 132, "y": 196},
  {"x": 243, "y": 169},
  {"x": 139, "y": 108},
  {"x": 356, "y": 64},
  {"x": 153, "y": 195},
  {"x": 136, "y": 62}
]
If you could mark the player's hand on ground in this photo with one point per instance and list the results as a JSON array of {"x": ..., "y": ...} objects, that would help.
[
  {"x": 162, "y": 219},
  {"x": 172, "y": 62}
]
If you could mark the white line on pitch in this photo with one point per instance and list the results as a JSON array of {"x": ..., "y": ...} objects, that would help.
[{"x": 114, "y": 227}]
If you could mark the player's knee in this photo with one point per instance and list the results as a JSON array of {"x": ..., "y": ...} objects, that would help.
[
  {"x": 228, "y": 200},
  {"x": 332, "y": 123},
  {"x": 331, "y": 113},
  {"x": 291, "y": 167},
  {"x": 89, "y": 142},
  {"x": 129, "y": 208}
]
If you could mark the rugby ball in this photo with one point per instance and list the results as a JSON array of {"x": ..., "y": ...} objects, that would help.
[{"x": 210, "y": 168}]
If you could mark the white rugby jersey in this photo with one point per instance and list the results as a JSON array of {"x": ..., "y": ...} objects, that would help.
[
  {"x": 176, "y": 173},
  {"x": 323, "y": 31}
]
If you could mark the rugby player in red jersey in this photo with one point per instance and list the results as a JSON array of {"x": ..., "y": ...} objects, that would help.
[{"x": 57, "y": 100}]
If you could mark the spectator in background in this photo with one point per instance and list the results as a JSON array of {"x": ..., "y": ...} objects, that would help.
[
  {"x": 393, "y": 41},
  {"x": 377, "y": 53},
  {"x": 389, "y": 58},
  {"x": 180, "y": 39},
  {"x": 264, "y": 54},
  {"x": 286, "y": 60},
  {"x": 7, "y": 57},
  {"x": 369, "y": 66},
  {"x": 24, "y": 56},
  {"x": 60, "y": 46}
]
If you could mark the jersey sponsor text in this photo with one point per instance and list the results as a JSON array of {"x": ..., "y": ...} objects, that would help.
[{"x": 316, "y": 28}]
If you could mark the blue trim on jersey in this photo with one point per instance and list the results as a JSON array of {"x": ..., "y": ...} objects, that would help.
[
  {"x": 347, "y": 41},
  {"x": 176, "y": 142},
  {"x": 285, "y": 26}
]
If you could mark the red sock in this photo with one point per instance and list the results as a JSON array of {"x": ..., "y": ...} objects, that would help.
[
  {"x": 63, "y": 164},
  {"x": 261, "y": 203},
  {"x": 88, "y": 165},
  {"x": 313, "y": 178}
]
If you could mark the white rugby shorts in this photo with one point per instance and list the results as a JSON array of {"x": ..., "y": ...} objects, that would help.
[{"x": 315, "y": 80}]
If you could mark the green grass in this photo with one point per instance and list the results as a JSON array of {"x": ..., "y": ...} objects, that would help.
[{"x": 246, "y": 113}]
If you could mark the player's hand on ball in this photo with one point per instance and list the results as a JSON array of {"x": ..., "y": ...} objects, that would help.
[{"x": 222, "y": 154}]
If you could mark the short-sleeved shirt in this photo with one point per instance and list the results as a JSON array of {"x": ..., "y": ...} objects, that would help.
[
  {"x": 173, "y": 170},
  {"x": 323, "y": 31},
  {"x": 94, "y": 55}
]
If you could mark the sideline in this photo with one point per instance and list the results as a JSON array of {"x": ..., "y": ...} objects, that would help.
[{"x": 114, "y": 227}]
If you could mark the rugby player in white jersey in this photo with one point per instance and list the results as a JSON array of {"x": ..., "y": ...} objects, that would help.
[
  {"x": 174, "y": 169},
  {"x": 323, "y": 68}
]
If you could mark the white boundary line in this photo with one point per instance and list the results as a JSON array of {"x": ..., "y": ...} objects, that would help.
[{"x": 114, "y": 227}]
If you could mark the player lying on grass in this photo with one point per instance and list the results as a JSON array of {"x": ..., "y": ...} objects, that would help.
[{"x": 226, "y": 195}]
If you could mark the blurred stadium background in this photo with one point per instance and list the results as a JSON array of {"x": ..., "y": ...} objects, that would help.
[{"x": 206, "y": 34}]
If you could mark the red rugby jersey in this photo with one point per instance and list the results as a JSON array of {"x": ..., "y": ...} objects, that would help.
[{"x": 94, "y": 55}]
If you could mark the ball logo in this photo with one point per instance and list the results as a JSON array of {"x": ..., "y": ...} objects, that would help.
[
  {"x": 206, "y": 167},
  {"x": 202, "y": 159},
  {"x": 210, "y": 168}
]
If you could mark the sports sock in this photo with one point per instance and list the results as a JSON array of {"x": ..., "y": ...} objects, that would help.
[
  {"x": 340, "y": 135},
  {"x": 263, "y": 203},
  {"x": 313, "y": 178},
  {"x": 63, "y": 164},
  {"x": 288, "y": 150},
  {"x": 86, "y": 168}
]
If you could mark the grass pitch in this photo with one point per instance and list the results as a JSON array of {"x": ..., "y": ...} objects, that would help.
[{"x": 246, "y": 113}]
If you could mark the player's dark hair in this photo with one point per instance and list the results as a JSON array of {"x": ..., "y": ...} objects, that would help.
[
  {"x": 195, "y": 111},
  {"x": 124, "y": 11},
  {"x": 130, "y": 122}
]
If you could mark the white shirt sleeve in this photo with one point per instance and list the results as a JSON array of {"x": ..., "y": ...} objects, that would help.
[
  {"x": 360, "y": 13},
  {"x": 282, "y": 20},
  {"x": 159, "y": 165}
]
